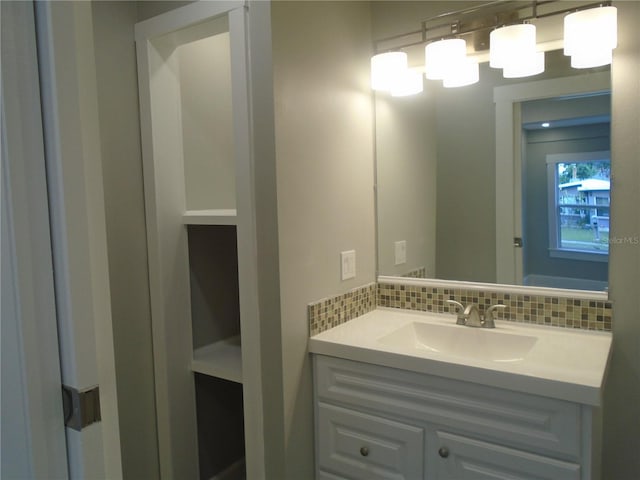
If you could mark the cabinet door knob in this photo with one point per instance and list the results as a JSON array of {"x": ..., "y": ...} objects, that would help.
[
  {"x": 443, "y": 452},
  {"x": 364, "y": 451}
]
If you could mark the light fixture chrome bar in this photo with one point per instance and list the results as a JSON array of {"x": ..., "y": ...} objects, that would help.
[{"x": 468, "y": 21}]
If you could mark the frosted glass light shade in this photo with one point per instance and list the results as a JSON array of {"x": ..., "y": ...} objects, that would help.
[
  {"x": 385, "y": 68},
  {"x": 592, "y": 59},
  {"x": 524, "y": 66},
  {"x": 439, "y": 56},
  {"x": 593, "y": 29},
  {"x": 510, "y": 43},
  {"x": 409, "y": 83},
  {"x": 462, "y": 73}
]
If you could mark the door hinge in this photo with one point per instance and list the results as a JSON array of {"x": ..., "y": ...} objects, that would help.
[
  {"x": 517, "y": 242},
  {"x": 81, "y": 408}
]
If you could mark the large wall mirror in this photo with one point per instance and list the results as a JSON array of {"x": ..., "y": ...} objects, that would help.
[{"x": 502, "y": 181}]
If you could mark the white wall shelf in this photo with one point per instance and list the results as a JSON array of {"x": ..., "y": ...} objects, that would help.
[
  {"x": 221, "y": 359},
  {"x": 210, "y": 217}
]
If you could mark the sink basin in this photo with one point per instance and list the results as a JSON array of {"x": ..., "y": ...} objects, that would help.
[
  {"x": 537, "y": 359},
  {"x": 460, "y": 341}
]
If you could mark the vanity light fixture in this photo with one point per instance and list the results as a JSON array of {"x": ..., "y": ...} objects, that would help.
[
  {"x": 513, "y": 48},
  {"x": 409, "y": 82},
  {"x": 386, "y": 68},
  {"x": 505, "y": 29},
  {"x": 447, "y": 60},
  {"x": 440, "y": 55},
  {"x": 590, "y": 36},
  {"x": 464, "y": 72}
]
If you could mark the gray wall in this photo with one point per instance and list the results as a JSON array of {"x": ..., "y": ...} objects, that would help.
[
  {"x": 126, "y": 235},
  {"x": 622, "y": 395},
  {"x": 406, "y": 182},
  {"x": 465, "y": 204},
  {"x": 207, "y": 122},
  {"x": 324, "y": 148},
  {"x": 539, "y": 144},
  {"x": 151, "y": 8}
]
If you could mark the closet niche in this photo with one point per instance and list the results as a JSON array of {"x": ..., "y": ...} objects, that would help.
[{"x": 194, "y": 118}]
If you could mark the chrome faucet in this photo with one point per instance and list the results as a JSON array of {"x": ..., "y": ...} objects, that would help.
[
  {"x": 461, "y": 320},
  {"x": 488, "y": 316},
  {"x": 470, "y": 316}
]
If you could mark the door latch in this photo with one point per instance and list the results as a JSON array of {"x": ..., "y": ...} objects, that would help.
[
  {"x": 517, "y": 242},
  {"x": 81, "y": 408}
]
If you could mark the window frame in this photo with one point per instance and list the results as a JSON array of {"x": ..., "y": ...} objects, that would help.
[{"x": 555, "y": 248}]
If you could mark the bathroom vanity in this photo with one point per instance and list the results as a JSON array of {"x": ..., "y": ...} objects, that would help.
[{"x": 412, "y": 395}]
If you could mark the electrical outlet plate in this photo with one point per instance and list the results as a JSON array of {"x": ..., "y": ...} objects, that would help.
[
  {"x": 400, "y": 252},
  {"x": 348, "y": 264}
]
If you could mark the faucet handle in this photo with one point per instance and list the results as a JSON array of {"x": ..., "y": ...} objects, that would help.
[
  {"x": 489, "y": 319},
  {"x": 461, "y": 320}
]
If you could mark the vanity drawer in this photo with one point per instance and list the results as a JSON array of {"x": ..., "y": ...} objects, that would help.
[
  {"x": 362, "y": 446},
  {"x": 526, "y": 421},
  {"x": 455, "y": 457}
]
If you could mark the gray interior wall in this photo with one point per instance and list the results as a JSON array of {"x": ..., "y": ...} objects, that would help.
[
  {"x": 150, "y": 8},
  {"x": 324, "y": 148},
  {"x": 465, "y": 204},
  {"x": 539, "y": 144},
  {"x": 207, "y": 123},
  {"x": 213, "y": 269},
  {"x": 126, "y": 234},
  {"x": 622, "y": 394},
  {"x": 406, "y": 182}
]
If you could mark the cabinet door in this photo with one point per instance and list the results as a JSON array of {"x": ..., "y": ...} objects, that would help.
[
  {"x": 453, "y": 457},
  {"x": 356, "y": 445}
]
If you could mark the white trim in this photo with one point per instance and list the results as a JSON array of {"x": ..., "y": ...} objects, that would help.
[
  {"x": 495, "y": 287},
  {"x": 210, "y": 217},
  {"x": 247, "y": 242},
  {"x": 581, "y": 255},
  {"x": 78, "y": 227},
  {"x": 551, "y": 281},
  {"x": 33, "y": 432},
  {"x": 601, "y": 155}
]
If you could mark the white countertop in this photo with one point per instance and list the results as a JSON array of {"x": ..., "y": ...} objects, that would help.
[{"x": 567, "y": 364}]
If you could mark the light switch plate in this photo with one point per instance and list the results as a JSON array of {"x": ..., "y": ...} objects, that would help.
[
  {"x": 348, "y": 264},
  {"x": 401, "y": 252}
]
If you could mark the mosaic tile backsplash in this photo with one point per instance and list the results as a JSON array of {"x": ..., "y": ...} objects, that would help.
[
  {"x": 420, "y": 272},
  {"x": 543, "y": 310},
  {"x": 331, "y": 312},
  {"x": 555, "y": 311}
]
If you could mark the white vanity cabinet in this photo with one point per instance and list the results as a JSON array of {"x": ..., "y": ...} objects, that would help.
[{"x": 375, "y": 422}]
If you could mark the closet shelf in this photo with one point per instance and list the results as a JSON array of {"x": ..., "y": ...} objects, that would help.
[
  {"x": 210, "y": 217},
  {"x": 221, "y": 359}
]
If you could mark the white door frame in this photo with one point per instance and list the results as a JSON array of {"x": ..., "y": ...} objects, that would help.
[
  {"x": 33, "y": 434},
  {"x": 509, "y": 158},
  {"x": 78, "y": 227}
]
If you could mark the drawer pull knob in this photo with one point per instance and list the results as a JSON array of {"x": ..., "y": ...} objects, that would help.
[
  {"x": 364, "y": 451},
  {"x": 443, "y": 452}
]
